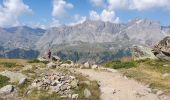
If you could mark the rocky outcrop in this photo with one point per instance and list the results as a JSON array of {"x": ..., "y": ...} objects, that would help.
[
  {"x": 7, "y": 89},
  {"x": 14, "y": 76},
  {"x": 56, "y": 82},
  {"x": 162, "y": 49},
  {"x": 141, "y": 52}
]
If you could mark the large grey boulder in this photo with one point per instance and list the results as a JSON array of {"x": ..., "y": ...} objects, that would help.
[
  {"x": 7, "y": 89},
  {"x": 14, "y": 76},
  {"x": 141, "y": 52},
  {"x": 162, "y": 49}
]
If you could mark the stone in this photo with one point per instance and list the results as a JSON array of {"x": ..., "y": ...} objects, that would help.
[
  {"x": 140, "y": 52},
  {"x": 166, "y": 75},
  {"x": 42, "y": 59},
  {"x": 75, "y": 96},
  {"x": 51, "y": 65},
  {"x": 22, "y": 81},
  {"x": 14, "y": 76},
  {"x": 159, "y": 92},
  {"x": 162, "y": 49},
  {"x": 63, "y": 87},
  {"x": 94, "y": 66},
  {"x": 87, "y": 93},
  {"x": 55, "y": 58},
  {"x": 86, "y": 65},
  {"x": 66, "y": 65},
  {"x": 74, "y": 83},
  {"x": 7, "y": 89}
]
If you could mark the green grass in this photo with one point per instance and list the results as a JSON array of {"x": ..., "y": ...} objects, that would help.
[
  {"x": 37, "y": 61},
  {"x": 93, "y": 87},
  {"x": 8, "y": 64},
  {"x": 42, "y": 95},
  {"x": 119, "y": 64},
  {"x": 3, "y": 80}
]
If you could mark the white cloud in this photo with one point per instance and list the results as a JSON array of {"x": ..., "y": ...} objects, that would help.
[
  {"x": 138, "y": 4},
  {"x": 106, "y": 15},
  {"x": 149, "y": 4},
  {"x": 11, "y": 10},
  {"x": 60, "y": 8},
  {"x": 78, "y": 20},
  {"x": 98, "y": 2}
]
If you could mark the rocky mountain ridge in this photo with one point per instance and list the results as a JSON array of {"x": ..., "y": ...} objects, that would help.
[{"x": 89, "y": 39}]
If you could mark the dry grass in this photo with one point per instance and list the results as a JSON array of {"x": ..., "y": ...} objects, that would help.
[{"x": 151, "y": 73}]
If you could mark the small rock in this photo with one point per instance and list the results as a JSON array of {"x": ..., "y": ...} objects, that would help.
[
  {"x": 159, "y": 92},
  {"x": 166, "y": 75},
  {"x": 51, "y": 65},
  {"x": 22, "y": 81},
  {"x": 86, "y": 65},
  {"x": 94, "y": 66},
  {"x": 87, "y": 93},
  {"x": 74, "y": 83},
  {"x": 7, "y": 89},
  {"x": 75, "y": 96},
  {"x": 165, "y": 65}
]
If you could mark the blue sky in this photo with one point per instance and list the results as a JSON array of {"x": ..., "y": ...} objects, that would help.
[{"x": 45, "y": 13}]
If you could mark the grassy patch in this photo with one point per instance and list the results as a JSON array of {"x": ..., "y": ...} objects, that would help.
[
  {"x": 3, "y": 80},
  {"x": 37, "y": 61},
  {"x": 42, "y": 95},
  {"x": 93, "y": 87},
  {"x": 150, "y": 72},
  {"x": 8, "y": 64},
  {"x": 120, "y": 64}
]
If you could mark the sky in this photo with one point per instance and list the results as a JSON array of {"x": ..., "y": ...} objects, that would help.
[{"x": 52, "y": 13}]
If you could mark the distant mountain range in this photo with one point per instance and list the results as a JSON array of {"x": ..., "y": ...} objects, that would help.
[{"x": 96, "y": 41}]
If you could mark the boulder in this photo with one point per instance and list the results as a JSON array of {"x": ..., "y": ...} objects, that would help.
[
  {"x": 51, "y": 65},
  {"x": 141, "y": 52},
  {"x": 42, "y": 59},
  {"x": 22, "y": 81},
  {"x": 55, "y": 58},
  {"x": 75, "y": 96},
  {"x": 86, "y": 65},
  {"x": 162, "y": 49},
  {"x": 14, "y": 76},
  {"x": 87, "y": 93},
  {"x": 94, "y": 66},
  {"x": 7, "y": 89},
  {"x": 74, "y": 83}
]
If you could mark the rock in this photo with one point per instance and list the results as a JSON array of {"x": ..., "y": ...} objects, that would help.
[
  {"x": 22, "y": 81},
  {"x": 159, "y": 92},
  {"x": 166, "y": 65},
  {"x": 42, "y": 59},
  {"x": 162, "y": 49},
  {"x": 51, "y": 65},
  {"x": 66, "y": 65},
  {"x": 14, "y": 76},
  {"x": 94, "y": 66},
  {"x": 7, "y": 89},
  {"x": 141, "y": 52},
  {"x": 74, "y": 83},
  {"x": 87, "y": 65},
  {"x": 55, "y": 58},
  {"x": 87, "y": 93},
  {"x": 166, "y": 75},
  {"x": 75, "y": 96}
]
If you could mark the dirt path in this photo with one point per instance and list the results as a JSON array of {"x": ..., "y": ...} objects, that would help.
[{"x": 116, "y": 87}]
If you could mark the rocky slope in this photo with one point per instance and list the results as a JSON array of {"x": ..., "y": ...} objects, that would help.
[
  {"x": 19, "y": 42},
  {"x": 97, "y": 40}
]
